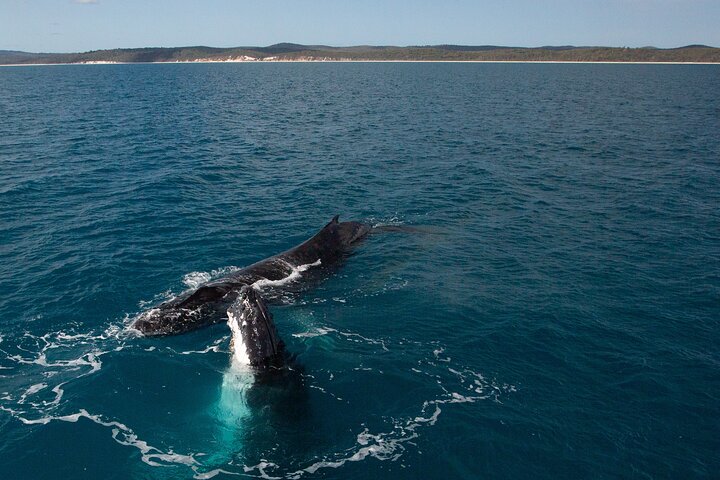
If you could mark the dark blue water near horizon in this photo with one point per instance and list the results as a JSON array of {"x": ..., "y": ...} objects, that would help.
[{"x": 556, "y": 316}]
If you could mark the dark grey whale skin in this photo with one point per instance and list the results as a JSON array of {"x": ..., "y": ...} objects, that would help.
[
  {"x": 252, "y": 318},
  {"x": 208, "y": 303}
]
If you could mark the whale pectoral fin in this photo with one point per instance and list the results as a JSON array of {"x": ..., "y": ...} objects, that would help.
[{"x": 254, "y": 322}]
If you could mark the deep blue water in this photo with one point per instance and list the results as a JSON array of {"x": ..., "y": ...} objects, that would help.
[{"x": 557, "y": 316}]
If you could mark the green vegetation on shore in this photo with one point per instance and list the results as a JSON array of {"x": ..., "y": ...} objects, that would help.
[{"x": 290, "y": 51}]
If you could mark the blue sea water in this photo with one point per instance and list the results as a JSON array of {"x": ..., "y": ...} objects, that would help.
[{"x": 556, "y": 315}]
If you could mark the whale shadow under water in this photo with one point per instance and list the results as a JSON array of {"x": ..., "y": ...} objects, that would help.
[{"x": 260, "y": 411}]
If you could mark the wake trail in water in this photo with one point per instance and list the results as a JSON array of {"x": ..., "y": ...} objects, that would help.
[
  {"x": 36, "y": 371},
  {"x": 454, "y": 383},
  {"x": 54, "y": 360}
]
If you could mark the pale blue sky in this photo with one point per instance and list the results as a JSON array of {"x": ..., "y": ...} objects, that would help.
[{"x": 80, "y": 25}]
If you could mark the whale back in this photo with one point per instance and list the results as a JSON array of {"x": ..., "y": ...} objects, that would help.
[
  {"x": 330, "y": 244},
  {"x": 204, "y": 305}
]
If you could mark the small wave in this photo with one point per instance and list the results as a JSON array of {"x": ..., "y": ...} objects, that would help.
[
  {"x": 213, "y": 473},
  {"x": 392, "y": 220},
  {"x": 40, "y": 400},
  {"x": 349, "y": 336},
  {"x": 321, "y": 389},
  {"x": 191, "y": 281},
  {"x": 43, "y": 365},
  {"x": 49, "y": 362},
  {"x": 215, "y": 347},
  {"x": 317, "y": 332},
  {"x": 159, "y": 298},
  {"x": 120, "y": 432},
  {"x": 260, "y": 468},
  {"x": 391, "y": 445},
  {"x": 456, "y": 384},
  {"x": 63, "y": 357},
  {"x": 437, "y": 353},
  {"x": 60, "y": 358}
]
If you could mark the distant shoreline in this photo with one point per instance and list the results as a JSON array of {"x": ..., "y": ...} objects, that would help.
[
  {"x": 292, "y": 52},
  {"x": 355, "y": 61}
]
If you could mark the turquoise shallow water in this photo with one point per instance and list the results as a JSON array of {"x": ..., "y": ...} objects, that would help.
[{"x": 557, "y": 317}]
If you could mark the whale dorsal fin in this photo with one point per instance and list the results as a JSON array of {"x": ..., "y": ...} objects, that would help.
[{"x": 332, "y": 223}]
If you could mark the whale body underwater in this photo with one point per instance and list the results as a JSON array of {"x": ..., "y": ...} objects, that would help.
[{"x": 242, "y": 297}]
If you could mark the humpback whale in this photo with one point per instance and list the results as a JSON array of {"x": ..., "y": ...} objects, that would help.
[{"x": 239, "y": 299}]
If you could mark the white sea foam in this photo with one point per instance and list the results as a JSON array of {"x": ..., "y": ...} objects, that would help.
[
  {"x": 381, "y": 447},
  {"x": 195, "y": 279},
  {"x": 318, "y": 387},
  {"x": 212, "y": 473},
  {"x": 314, "y": 333},
  {"x": 32, "y": 390},
  {"x": 349, "y": 336},
  {"x": 58, "y": 355},
  {"x": 393, "y": 220},
  {"x": 388, "y": 445},
  {"x": 261, "y": 467},
  {"x": 191, "y": 280},
  {"x": 121, "y": 433},
  {"x": 462, "y": 385},
  {"x": 59, "y": 392},
  {"x": 160, "y": 297},
  {"x": 295, "y": 273},
  {"x": 57, "y": 358},
  {"x": 437, "y": 353},
  {"x": 60, "y": 358},
  {"x": 214, "y": 347},
  {"x": 89, "y": 359}
]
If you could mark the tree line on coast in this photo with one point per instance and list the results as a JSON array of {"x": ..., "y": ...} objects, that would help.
[{"x": 296, "y": 52}]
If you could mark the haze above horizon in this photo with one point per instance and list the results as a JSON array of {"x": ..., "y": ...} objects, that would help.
[{"x": 82, "y": 25}]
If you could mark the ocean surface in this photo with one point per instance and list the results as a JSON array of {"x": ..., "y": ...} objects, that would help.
[{"x": 555, "y": 315}]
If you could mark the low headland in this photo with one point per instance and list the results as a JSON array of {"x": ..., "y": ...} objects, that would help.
[{"x": 290, "y": 52}]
